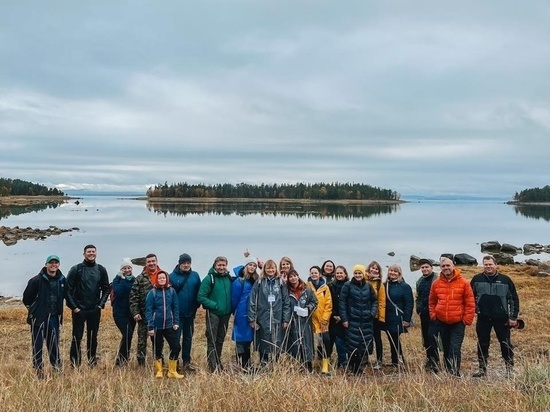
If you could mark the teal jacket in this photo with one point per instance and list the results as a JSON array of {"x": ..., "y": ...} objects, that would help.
[{"x": 215, "y": 293}]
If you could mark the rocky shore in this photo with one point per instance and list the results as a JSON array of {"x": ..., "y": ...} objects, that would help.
[
  {"x": 31, "y": 200},
  {"x": 11, "y": 235}
]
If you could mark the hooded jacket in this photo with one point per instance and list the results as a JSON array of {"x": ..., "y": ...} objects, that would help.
[
  {"x": 215, "y": 292},
  {"x": 186, "y": 285},
  {"x": 452, "y": 300},
  {"x": 240, "y": 299},
  {"x": 321, "y": 316},
  {"x": 162, "y": 310},
  {"x": 44, "y": 296},
  {"x": 300, "y": 329}
]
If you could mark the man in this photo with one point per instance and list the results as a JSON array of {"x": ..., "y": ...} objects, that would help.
[
  {"x": 215, "y": 297},
  {"x": 423, "y": 286},
  {"x": 186, "y": 283},
  {"x": 142, "y": 285},
  {"x": 43, "y": 297},
  {"x": 87, "y": 292},
  {"x": 452, "y": 308},
  {"x": 497, "y": 307}
]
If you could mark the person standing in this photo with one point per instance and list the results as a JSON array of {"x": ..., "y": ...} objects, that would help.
[
  {"x": 143, "y": 284},
  {"x": 374, "y": 277},
  {"x": 336, "y": 329},
  {"x": 399, "y": 311},
  {"x": 87, "y": 292},
  {"x": 452, "y": 308},
  {"x": 215, "y": 297},
  {"x": 162, "y": 312},
  {"x": 497, "y": 307},
  {"x": 186, "y": 283},
  {"x": 43, "y": 298},
  {"x": 423, "y": 287},
  {"x": 120, "y": 302}
]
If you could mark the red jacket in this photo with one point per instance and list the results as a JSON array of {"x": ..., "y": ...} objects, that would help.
[{"x": 452, "y": 301}]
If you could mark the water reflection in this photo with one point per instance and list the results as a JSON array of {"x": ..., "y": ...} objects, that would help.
[
  {"x": 534, "y": 211},
  {"x": 316, "y": 211},
  {"x": 14, "y": 210}
]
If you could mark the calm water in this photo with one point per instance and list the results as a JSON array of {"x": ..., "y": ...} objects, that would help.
[{"x": 309, "y": 235}]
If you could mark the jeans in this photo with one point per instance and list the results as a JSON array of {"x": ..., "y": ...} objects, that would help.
[
  {"x": 126, "y": 325},
  {"x": 186, "y": 330},
  {"x": 47, "y": 330},
  {"x": 452, "y": 335},
  {"x": 172, "y": 337},
  {"x": 430, "y": 345},
  {"x": 91, "y": 318},
  {"x": 340, "y": 344},
  {"x": 483, "y": 331},
  {"x": 216, "y": 329},
  {"x": 395, "y": 347},
  {"x": 377, "y": 328}
]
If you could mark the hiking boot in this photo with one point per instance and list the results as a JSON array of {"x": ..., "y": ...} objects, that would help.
[
  {"x": 480, "y": 373},
  {"x": 189, "y": 367}
]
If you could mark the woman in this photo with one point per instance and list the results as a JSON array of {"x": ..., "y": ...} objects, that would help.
[
  {"x": 162, "y": 314},
  {"x": 321, "y": 316},
  {"x": 243, "y": 334},
  {"x": 300, "y": 333},
  {"x": 327, "y": 270},
  {"x": 335, "y": 328},
  {"x": 358, "y": 307},
  {"x": 399, "y": 310},
  {"x": 120, "y": 302},
  {"x": 269, "y": 312},
  {"x": 285, "y": 266},
  {"x": 374, "y": 277}
]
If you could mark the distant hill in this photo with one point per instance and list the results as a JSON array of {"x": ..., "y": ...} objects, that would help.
[
  {"x": 18, "y": 187},
  {"x": 443, "y": 197},
  {"x": 121, "y": 193}
]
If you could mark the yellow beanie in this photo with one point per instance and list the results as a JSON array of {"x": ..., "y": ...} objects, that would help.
[{"x": 360, "y": 268}]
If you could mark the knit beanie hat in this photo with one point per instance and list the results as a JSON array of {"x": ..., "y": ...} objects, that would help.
[
  {"x": 360, "y": 268},
  {"x": 126, "y": 262},
  {"x": 184, "y": 258},
  {"x": 250, "y": 259}
]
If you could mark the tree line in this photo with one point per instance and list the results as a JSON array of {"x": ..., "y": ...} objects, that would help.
[
  {"x": 17, "y": 187},
  {"x": 315, "y": 191},
  {"x": 535, "y": 194}
]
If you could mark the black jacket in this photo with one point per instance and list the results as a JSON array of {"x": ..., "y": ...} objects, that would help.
[
  {"x": 38, "y": 296},
  {"x": 87, "y": 286},
  {"x": 423, "y": 286},
  {"x": 496, "y": 296}
]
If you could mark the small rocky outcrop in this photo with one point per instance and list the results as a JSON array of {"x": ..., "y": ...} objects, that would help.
[
  {"x": 465, "y": 259},
  {"x": 414, "y": 262},
  {"x": 510, "y": 249},
  {"x": 532, "y": 248},
  {"x": 11, "y": 235},
  {"x": 140, "y": 261},
  {"x": 503, "y": 258},
  {"x": 491, "y": 246}
]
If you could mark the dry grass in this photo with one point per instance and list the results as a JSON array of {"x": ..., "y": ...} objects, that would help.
[{"x": 286, "y": 387}]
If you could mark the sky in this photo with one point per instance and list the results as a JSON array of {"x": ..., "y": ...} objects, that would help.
[{"x": 423, "y": 97}]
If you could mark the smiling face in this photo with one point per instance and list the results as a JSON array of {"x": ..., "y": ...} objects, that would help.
[
  {"x": 90, "y": 254},
  {"x": 151, "y": 263},
  {"x": 489, "y": 267},
  {"x": 340, "y": 274},
  {"x": 426, "y": 269},
  {"x": 270, "y": 269},
  {"x": 358, "y": 275},
  {"x": 373, "y": 272},
  {"x": 285, "y": 266},
  {"x": 328, "y": 268},
  {"x": 314, "y": 274},
  {"x": 161, "y": 279},
  {"x": 447, "y": 268},
  {"x": 393, "y": 274},
  {"x": 52, "y": 266},
  {"x": 220, "y": 266},
  {"x": 126, "y": 270},
  {"x": 251, "y": 268},
  {"x": 293, "y": 279}
]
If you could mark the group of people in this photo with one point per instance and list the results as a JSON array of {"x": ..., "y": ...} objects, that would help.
[{"x": 274, "y": 312}]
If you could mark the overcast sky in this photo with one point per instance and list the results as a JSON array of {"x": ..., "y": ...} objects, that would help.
[{"x": 417, "y": 96}]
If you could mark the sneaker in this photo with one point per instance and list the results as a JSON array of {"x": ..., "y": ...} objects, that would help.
[
  {"x": 377, "y": 366},
  {"x": 480, "y": 373}
]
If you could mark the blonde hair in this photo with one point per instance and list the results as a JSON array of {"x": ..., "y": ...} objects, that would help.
[
  {"x": 270, "y": 262},
  {"x": 398, "y": 269}
]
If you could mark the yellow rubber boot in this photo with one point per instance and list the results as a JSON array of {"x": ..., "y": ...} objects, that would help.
[
  {"x": 158, "y": 368},
  {"x": 324, "y": 367},
  {"x": 172, "y": 370}
]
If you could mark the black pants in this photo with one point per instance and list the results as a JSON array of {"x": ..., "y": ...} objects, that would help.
[
  {"x": 126, "y": 325},
  {"x": 216, "y": 329},
  {"x": 324, "y": 345},
  {"x": 395, "y": 347},
  {"x": 172, "y": 337},
  {"x": 451, "y": 335},
  {"x": 186, "y": 331},
  {"x": 430, "y": 345},
  {"x": 90, "y": 318},
  {"x": 483, "y": 331},
  {"x": 377, "y": 328},
  {"x": 45, "y": 332}
]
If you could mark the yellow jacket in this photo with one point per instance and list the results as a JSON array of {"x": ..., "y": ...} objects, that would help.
[
  {"x": 321, "y": 316},
  {"x": 380, "y": 291}
]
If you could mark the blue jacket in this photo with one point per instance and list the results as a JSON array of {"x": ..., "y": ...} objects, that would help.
[
  {"x": 161, "y": 308},
  {"x": 401, "y": 310},
  {"x": 121, "y": 292},
  {"x": 240, "y": 298},
  {"x": 186, "y": 285},
  {"x": 38, "y": 295}
]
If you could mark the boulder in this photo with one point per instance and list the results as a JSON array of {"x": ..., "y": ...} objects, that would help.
[
  {"x": 491, "y": 246},
  {"x": 510, "y": 249},
  {"x": 465, "y": 259},
  {"x": 530, "y": 248},
  {"x": 391, "y": 253},
  {"x": 414, "y": 262},
  {"x": 448, "y": 256},
  {"x": 503, "y": 258},
  {"x": 140, "y": 261},
  {"x": 532, "y": 262}
]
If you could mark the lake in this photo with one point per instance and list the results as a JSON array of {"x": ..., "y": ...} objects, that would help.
[{"x": 308, "y": 234}]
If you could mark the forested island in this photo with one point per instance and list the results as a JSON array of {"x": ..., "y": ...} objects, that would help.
[
  {"x": 21, "y": 192},
  {"x": 277, "y": 192},
  {"x": 533, "y": 195}
]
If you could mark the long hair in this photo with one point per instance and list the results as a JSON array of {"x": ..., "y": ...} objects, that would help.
[
  {"x": 398, "y": 269},
  {"x": 269, "y": 263}
]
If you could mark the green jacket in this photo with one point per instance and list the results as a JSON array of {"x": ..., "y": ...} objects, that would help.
[
  {"x": 138, "y": 294},
  {"x": 215, "y": 293}
]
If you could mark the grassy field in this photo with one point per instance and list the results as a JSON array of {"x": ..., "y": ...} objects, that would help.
[{"x": 286, "y": 387}]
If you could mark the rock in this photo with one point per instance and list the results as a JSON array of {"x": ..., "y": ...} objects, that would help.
[
  {"x": 503, "y": 258},
  {"x": 530, "y": 248},
  {"x": 492, "y": 245},
  {"x": 391, "y": 253},
  {"x": 138, "y": 261},
  {"x": 10, "y": 236},
  {"x": 414, "y": 260},
  {"x": 465, "y": 259},
  {"x": 510, "y": 249},
  {"x": 532, "y": 262},
  {"x": 448, "y": 256},
  {"x": 543, "y": 274}
]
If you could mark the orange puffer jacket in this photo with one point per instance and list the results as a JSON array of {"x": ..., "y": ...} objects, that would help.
[{"x": 452, "y": 301}]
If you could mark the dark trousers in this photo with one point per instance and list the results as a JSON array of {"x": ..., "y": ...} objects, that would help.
[
  {"x": 216, "y": 329},
  {"x": 47, "y": 330},
  {"x": 142, "y": 337},
  {"x": 324, "y": 345},
  {"x": 355, "y": 361},
  {"x": 90, "y": 318},
  {"x": 377, "y": 328},
  {"x": 172, "y": 337},
  {"x": 451, "y": 336},
  {"x": 340, "y": 344},
  {"x": 186, "y": 330},
  {"x": 126, "y": 325},
  {"x": 483, "y": 331},
  {"x": 430, "y": 345},
  {"x": 395, "y": 347}
]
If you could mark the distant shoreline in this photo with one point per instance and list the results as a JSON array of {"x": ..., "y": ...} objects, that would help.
[
  {"x": 516, "y": 203},
  {"x": 31, "y": 200},
  {"x": 264, "y": 200}
]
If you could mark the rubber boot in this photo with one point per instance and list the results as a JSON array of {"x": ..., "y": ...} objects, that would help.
[
  {"x": 158, "y": 368},
  {"x": 324, "y": 367},
  {"x": 172, "y": 370}
]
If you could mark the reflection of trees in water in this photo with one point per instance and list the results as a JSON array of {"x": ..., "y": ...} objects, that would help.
[
  {"x": 6, "y": 211},
  {"x": 534, "y": 211},
  {"x": 319, "y": 211}
]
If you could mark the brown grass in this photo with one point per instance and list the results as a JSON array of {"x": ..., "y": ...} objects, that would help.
[{"x": 286, "y": 387}]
